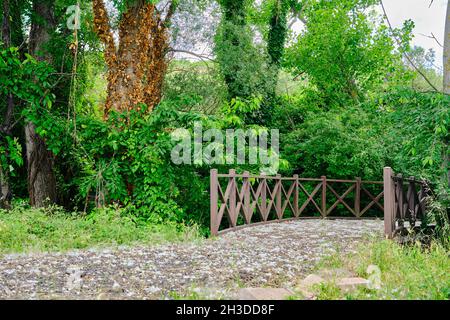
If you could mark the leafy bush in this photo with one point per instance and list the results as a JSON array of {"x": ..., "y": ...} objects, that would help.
[
  {"x": 416, "y": 131},
  {"x": 345, "y": 53},
  {"x": 401, "y": 128},
  {"x": 341, "y": 143},
  {"x": 197, "y": 85},
  {"x": 28, "y": 81}
]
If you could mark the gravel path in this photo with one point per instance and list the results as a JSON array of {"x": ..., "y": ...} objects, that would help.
[{"x": 267, "y": 255}]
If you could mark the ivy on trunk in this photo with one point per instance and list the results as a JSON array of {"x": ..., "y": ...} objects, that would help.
[{"x": 137, "y": 63}]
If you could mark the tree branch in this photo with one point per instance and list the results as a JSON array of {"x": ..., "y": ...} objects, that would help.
[
  {"x": 432, "y": 37},
  {"x": 202, "y": 57},
  {"x": 103, "y": 30},
  {"x": 170, "y": 13},
  {"x": 405, "y": 54}
]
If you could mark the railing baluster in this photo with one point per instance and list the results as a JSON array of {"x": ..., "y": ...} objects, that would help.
[
  {"x": 232, "y": 199},
  {"x": 296, "y": 214},
  {"x": 213, "y": 191},
  {"x": 412, "y": 201},
  {"x": 264, "y": 199},
  {"x": 389, "y": 202},
  {"x": 324, "y": 196},
  {"x": 358, "y": 197},
  {"x": 278, "y": 203},
  {"x": 401, "y": 208},
  {"x": 246, "y": 184}
]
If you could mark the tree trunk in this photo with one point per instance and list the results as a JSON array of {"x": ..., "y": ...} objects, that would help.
[
  {"x": 5, "y": 130},
  {"x": 5, "y": 190},
  {"x": 446, "y": 61},
  {"x": 41, "y": 177},
  {"x": 446, "y": 64},
  {"x": 137, "y": 65},
  {"x": 278, "y": 32}
]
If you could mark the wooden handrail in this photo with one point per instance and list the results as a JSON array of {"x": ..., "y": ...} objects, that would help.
[{"x": 258, "y": 196}]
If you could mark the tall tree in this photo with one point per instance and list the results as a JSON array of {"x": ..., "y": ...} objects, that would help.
[
  {"x": 277, "y": 36},
  {"x": 278, "y": 31},
  {"x": 5, "y": 190},
  {"x": 137, "y": 63},
  {"x": 11, "y": 35},
  {"x": 345, "y": 53},
  {"x": 446, "y": 64},
  {"x": 41, "y": 177},
  {"x": 241, "y": 63},
  {"x": 447, "y": 51}
]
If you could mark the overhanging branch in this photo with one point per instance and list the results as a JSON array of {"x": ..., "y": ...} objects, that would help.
[
  {"x": 202, "y": 57},
  {"x": 405, "y": 54}
]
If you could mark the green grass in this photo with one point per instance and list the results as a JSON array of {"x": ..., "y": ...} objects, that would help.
[
  {"x": 407, "y": 272},
  {"x": 41, "y": 230}
]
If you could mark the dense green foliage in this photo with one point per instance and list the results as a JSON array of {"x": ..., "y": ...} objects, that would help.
[
  {"x": 243, "y": 65},
  {"x": 354, "y": 106},
  {"x": 29, "y": 82},
  {"x": 345, "y": 53},
  {"x": 402, "y": 128}
]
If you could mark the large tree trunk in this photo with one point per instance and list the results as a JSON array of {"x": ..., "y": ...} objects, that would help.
[
  {"x": 127, "y": 91},
  {"x": 41, "y": 177},
  {"x": 5, "y": 130},
  {"x": 5, "y": 189},
  {"x": 446, "y": 64},
  {"x": 446, "y": 61},
  {"x": 137, "y": 65}
]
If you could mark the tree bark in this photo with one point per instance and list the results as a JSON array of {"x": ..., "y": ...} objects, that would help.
[
  {"x": 278, "y": 32},
  {"x": 446, "y": 64},
  {"x": 41, "y": 177},
  {"x": 137, "y": 65},
  {"x": 446, "y": 61},
  {"x": 5, "y": 189},
  {"x": 5, "y": 130}
]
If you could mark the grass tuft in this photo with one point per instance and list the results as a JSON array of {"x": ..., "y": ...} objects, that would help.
[
  {"x": 52, "y": 229},
  {"x": 407, "y": 272}
]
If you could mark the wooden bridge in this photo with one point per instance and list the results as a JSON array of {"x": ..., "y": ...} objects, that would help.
[{"x": 245, "y": 199}]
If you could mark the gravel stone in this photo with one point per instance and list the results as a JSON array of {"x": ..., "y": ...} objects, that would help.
[{"x": 268, "y": 255}]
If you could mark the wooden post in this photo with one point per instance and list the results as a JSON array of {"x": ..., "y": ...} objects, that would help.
[
  {"x": 278, "y": 198},
  {"x": 213, "y": 191},
  {"x": 400, "y": 200},
  {"x": 389, "y": 202},
  {"x": 411, "y": 209},
  {"x": 296, "y": 196},
  {"x": 324, "y": 196},
  {"x": 264, "y": 199},
  {"x": 232, "y": 203},
  {"x": 248, "y": 214},
  {"x": 358, "y": 197}
]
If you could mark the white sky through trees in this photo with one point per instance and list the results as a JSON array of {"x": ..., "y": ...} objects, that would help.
[{"x": 427, "y": 20}]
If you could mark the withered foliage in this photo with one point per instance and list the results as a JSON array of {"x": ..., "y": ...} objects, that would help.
[{"x": 137, "y": 63}]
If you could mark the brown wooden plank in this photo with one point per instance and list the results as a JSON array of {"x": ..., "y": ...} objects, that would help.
[
  {"x": 310, "y": 197},
  {"x": 340, "y": 199}
]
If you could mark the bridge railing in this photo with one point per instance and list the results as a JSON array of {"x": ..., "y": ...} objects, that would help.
[
  {"x": 405, "y": 202},
  {"x": 239, "y": 200}
]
